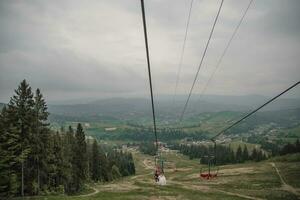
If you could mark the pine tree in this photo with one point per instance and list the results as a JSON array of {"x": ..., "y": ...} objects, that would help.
[
  {"x": 34, "y": 158},
  {"x": 95, "y": 162},
  {"x": 254, "y": 154},
  {"x": 104, "y": 166},
  {"x": 131, "y": 164},
  {"x": 239, "y": 156},
  {"x": 20, "y": 109},
  {"x": 69, "y": 142},
  {"x": 51, "y": 162},
  {"x": 43, "y": 168},
  {"x": 59, "y": 160},
  {"x": 80, "y": 161},
  {"x": 89, "y": 150},
  {"x": 245, "y": 153},
  {"x": 287, "y": 149},
  {"x": 9, "y": 146},
  {"x": 232, "y": 156},
  {"x": 38, "y": 142},
  {"x": 259, "y": 156}
]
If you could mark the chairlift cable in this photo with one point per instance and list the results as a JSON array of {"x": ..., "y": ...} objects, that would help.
[
  {"x": 149, "y": 73},
  {"x": 254, "y": 111},
  {"x": 199, "y": 67},
  {"x": 225, "y": 50},
  {"x": 182, "y": 51}
]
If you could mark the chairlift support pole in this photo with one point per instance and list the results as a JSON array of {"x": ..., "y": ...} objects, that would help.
[{"x": 215, "y": 151}]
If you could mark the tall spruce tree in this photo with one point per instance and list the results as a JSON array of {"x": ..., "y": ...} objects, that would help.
[
  {"x": 21, "y": 116},
  {"x": 80, "y": 161},
  {"x": 104, "y": 165},
  {"x": 39, "y": 137},
  {"x": 69, "y": 142},
  {"x": 95, "y": 162}
]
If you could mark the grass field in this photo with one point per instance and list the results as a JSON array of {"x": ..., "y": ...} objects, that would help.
[{"x": 240, "y": 181}]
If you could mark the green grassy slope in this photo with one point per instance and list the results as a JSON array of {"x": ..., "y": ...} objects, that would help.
[{"x": 241, "y": 181}]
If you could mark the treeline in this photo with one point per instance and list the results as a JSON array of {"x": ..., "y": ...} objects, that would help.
[
  {"x": 290, "y": 148},
  {"x": 272, "y": 147},
  {"x": 82, "y": 160},
  {"x": 224, "y": 154},
  {"x": 35, "y": 160},
  {"x": 277, "y": 147}
]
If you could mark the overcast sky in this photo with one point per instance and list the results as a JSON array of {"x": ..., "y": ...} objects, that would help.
[{"x": 95, "y": 49}]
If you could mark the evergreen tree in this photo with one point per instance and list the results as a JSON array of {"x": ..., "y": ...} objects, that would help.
[
  {"x": 69, "y": 142},
  {"x": 79, "y": 159},
  {"x": 39, "y": 137},
  {"x": 254, "y": 154},
  {"x": 9, "y": 156},
  {"x": 33, "y": 158},
  {"x": 259, "y": 156},
  {"x": 104, "y": 166},
  {"x": 95, "y": 162},
  {"x": 232, "y": 157},
  {"x": 89, "y": 153},
  {"x": 20, "y": 109},
  {"x": 239, "y": 155},
  {"x": 42, "y": 169},
  {"x": 245, "y": 153},
  {"x": 131, "y": 167},
  {"x": 288, "y": 148}
]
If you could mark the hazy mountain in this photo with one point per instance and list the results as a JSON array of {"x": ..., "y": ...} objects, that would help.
[{"x": 123, "y": 108}]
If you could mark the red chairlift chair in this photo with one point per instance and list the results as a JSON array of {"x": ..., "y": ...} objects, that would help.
[{"x": 212, "y": 170}]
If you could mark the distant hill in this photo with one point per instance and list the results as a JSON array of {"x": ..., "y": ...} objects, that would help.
[
  {"x": 123, "y": 108},
  {"x": 139, "y": 108},
  {"x": 164, "y": 105}
]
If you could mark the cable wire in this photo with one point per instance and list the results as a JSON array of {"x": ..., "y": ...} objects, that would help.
[
  {"x": 182, "y": 51},
  {"x": 225, "y": 50},
  {"x": 149, "y": 72},
  {"x": 199, "y": 67},
  {"x": 254, "y": 111}
]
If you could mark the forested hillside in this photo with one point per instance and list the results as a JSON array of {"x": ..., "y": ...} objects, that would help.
[{"x": 36, "y": 160}]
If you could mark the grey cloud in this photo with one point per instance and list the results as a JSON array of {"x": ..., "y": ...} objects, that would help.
[{"x": 96, "y": 48}]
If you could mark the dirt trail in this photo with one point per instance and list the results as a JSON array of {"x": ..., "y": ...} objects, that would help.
[
  {"x": 90, "y": 194},
  {"x": 140, "y": 176},
  {"x": 120, "y": 186},
  {"x": 148, "y": 164},
  {"x": 205, "y": 187},
  {"x": 285, "y": 186}
]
